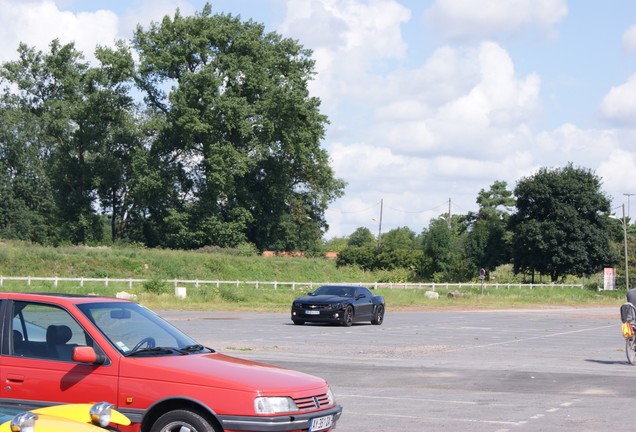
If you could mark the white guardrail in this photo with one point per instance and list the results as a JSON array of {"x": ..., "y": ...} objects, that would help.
[{"x": 303, "y": 285}]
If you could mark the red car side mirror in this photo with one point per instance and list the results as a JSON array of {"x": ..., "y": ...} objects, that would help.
[{"x": 86, "y": 354}]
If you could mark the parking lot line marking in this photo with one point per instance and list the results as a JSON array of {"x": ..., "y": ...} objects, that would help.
[
  {"x": 410, "y": 399},
  {"x": 515, "y": 341},
  {"x": 460, "y": 420}
]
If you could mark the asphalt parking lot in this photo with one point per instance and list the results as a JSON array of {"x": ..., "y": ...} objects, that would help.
[{"x": 552, "y": 369}]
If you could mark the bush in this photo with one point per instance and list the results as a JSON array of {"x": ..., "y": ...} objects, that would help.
[{"x": 156, "y": 286}]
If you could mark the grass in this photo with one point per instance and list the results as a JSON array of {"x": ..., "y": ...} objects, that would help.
[
  {"x": 268, "y": 299},
  {"x": 20, "y": 259}
]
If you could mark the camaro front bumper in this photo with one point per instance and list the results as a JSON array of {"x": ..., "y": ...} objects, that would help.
[{"x": 323, "y": 315}]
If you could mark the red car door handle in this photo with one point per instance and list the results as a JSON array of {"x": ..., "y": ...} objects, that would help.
[{"x": 15, "y": 378}]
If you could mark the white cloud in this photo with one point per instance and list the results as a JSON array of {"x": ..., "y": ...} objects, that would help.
[
  {"x": 618, "y": 172},
  {"x": 569, "y": 143},
  {"x": 348, "y": 25},
  {"x": 464, "y": 19},
  {"x": 629, "y": 39},
  {"x": 489, "y": 104},
  {"x": 347, "y": 37},
  {"x": 619, "y": 105},
  {"x": 37, "y": 23},
  {"x": 449, "y": 127},
  {"x": 146, "y": 11}
]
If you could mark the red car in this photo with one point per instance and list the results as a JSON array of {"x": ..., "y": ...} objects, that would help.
[{"x": 71, "y": 349}]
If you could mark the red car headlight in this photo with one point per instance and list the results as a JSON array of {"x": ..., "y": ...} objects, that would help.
[{"x": 274, "y": 405}]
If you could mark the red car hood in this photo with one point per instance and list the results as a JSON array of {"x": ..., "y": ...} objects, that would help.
[{"x": 222, "y": 371}]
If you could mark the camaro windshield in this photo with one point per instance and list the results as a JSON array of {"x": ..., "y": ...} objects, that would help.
[
  {"x": 335, "y": 290},
  {"x": 131, "y": 327}
]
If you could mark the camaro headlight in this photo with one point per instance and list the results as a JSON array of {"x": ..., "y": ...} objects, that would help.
[
  {"x": 100, "y": 413},
  {"x": 24, "y": 422},
  {"x": 274, "y": 405}
]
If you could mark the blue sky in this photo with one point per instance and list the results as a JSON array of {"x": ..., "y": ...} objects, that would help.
[{"x": 430, "y": 101}]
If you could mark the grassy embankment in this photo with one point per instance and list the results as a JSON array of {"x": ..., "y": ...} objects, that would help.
[{"x": 19, "y": 259}]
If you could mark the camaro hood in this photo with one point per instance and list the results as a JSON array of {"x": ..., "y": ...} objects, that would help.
[
  {"x": 319, "y": 299},
  {"x": 219, "y": 370}
]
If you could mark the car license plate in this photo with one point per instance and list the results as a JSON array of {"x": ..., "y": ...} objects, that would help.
[
  {"x": 320, "y": 423},
  {"x": 312, "y": 312}
]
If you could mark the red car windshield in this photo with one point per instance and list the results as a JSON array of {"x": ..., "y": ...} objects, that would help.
[{"x": 130, "y": 327}]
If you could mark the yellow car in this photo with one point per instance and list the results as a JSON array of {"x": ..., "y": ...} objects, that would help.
[{"x": 62, "y": 418}]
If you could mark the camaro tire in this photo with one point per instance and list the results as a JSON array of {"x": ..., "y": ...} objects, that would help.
[
  {"x": 347, "y": 319},
  {"x": 298, "y": 322},
  {"x": 378, "y": 318},
  {"x": 179, "y": 420}
]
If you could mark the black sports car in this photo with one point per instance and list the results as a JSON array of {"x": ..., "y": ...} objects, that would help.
[{"x": 338, "y": 304}]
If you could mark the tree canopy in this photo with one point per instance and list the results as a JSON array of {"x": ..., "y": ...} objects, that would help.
[
  {"x": 226, "y": 148},
  {"x": 488, "y": 241},
  {"x": 239, "y": 131},
  {"x": 561, "y": 225}
]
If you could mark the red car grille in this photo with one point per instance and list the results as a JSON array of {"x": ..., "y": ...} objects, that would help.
[{"x": 312, "y": 402}]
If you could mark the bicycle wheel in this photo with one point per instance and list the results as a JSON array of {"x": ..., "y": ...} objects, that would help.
[{"x": 630, "y": 349}]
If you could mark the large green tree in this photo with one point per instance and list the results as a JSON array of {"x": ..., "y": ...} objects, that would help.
[
  {"x": 399, "y": 238},
  {"x": 74, "y": 113},
  {"x": 239, "y": 132},
  {"x": 443, "y": 250},
  {"x": 488, "y": 241},
  {"x": 27, "y": 209},
  {"x": 362, "y": 236},
  {"x": 561, "y": 225},
  {"x": 112, "y": 118}
]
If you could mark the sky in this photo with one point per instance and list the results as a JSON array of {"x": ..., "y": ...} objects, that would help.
[{"x": 429, "y": 101}]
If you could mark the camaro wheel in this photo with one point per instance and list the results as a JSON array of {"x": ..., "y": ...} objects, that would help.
[
  {"x": 378, "y": 318},
  {"x": 182, "y": 421},
  {"x": 347, "y": 319},
  {"x": 298, "y": 322}
]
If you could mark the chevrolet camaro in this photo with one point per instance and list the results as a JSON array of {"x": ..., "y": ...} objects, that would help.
[{"x": 338, "y": 304}]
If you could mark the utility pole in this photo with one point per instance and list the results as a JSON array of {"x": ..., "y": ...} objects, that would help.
[
  {"x": 449, "y": 213},
  {"x": 380, "y": 224},
  {"x": 628, "y": 195}
]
